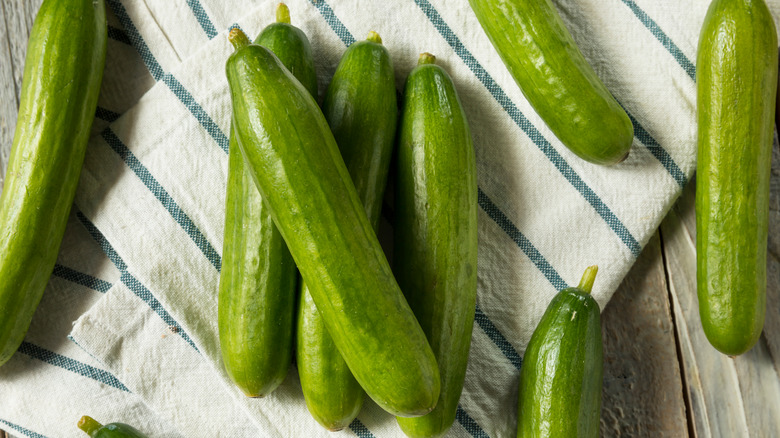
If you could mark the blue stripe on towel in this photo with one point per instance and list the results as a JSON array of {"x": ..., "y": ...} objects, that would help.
[{"x": 81, "y": 278}]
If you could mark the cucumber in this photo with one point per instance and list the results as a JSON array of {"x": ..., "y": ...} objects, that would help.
[
  {"x": 558, "y": 82},
  {"x": 113, "y": 430},
  {"x": 62, "y": 75},
  {"x": 435, "y": 250},
  {"x": 736, "y": 87},
  {"x": 361, "y": 109},
  {"x": 300, "y": 173},
  {"x": 561, "y": 377},
  {"x": 258, "y": 280}
]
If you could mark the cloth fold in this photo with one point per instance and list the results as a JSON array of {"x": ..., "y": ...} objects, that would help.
[{"x": 151, "y": 199}]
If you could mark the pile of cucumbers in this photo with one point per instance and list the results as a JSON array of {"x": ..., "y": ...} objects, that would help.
[{"x": 303, "y": 272}]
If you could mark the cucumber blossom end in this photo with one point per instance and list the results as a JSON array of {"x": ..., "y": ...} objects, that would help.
[{"x": 374, "y": 37}]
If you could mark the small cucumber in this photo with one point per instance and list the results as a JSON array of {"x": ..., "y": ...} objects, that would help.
[
  {"x": 736, "y": 85},
  {"x": 558, "y": 82},
  {"x": 113, "y": 430},
  {"x": 435, "y": 251},
  {"x": 561, "y": 377},
  {"x": 258, "y": 280},
  {"x": 300, "y": 173},
  {"x": 62, "y": 75},
  {"x": 361, "y": 109}
]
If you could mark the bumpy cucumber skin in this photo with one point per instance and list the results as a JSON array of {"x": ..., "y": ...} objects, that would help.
[
  {"x": 361, "y": 109},
  {"x": 300, "y": 173},
  {"x": 554, "y": 76},
  {"x": 291, "y": 46},
  {"x": 435, "y": 251},
  {"x": 257, "y": 288},
  {"x": 62, "y": 75},
  {"x": 736, "y": 84},
  {"x": 562, "y": 373}
]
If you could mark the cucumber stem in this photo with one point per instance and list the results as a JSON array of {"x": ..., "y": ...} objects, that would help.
[
  {"x": 282, "y": 13},
  {"x": 89, "y": 425},
  {"x": 374, "y": 37},
  {"x": 238, "y": 38},
  {"x": 426, "y": 58},
  {"x": 586, "y": 284}
]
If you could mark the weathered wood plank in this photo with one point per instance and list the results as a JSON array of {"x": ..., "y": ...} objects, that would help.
[
  {"x": 643, "y": 389},
  {"x": 729, "y": 397}
]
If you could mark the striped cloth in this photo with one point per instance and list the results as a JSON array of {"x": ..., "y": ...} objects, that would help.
[{"x": 139, "y": 268}]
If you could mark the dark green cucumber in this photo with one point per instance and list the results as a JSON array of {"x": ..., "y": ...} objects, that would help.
[
  {"x": 258, "y": 279},
  {"x": 300, "y": 173},
  {"x": 361, "y": 109},
  {"x": 558, "y": 82},
  {"x": 62, "y": 75},
  {"x": 737, "y": 83},
  {"x": 113, "y": 430},
  {"x": 435, "y": 251},
  {"x": 561, "y": 377}
]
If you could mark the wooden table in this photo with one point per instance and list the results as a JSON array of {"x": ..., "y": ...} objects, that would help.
[{"x": 661, "y": 377}]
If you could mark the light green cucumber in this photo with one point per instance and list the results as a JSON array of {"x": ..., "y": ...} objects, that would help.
[
  {"x": 361, "y": 109},
  {"x": 113, "y": 430},
  {"x": 300, "y": 173},
  {"x": 62, "y": 75},
  {"x": 258, "y": 279},
  {"x": 563, "y": 367},
  {"x": 554, "y": 76},
  {"x": 737, "y": 84},
  {"x": 435, "y": 230}
]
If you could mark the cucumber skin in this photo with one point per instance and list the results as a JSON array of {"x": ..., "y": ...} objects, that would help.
[
  {"x": 736, "y": 86},
  {"x": 361, "y": 109},
  {"x": 435, "y": 250},
  {"x": 556, "y": 79},
  {"x": 291, "y": 46},
  {"x": 300, "y": 173},
  {"x": 561, "y": 379},
  {"x": 117, "y": 430},
  {"x": 62, "y": 75},
  {"x": 257, "y": 287}
]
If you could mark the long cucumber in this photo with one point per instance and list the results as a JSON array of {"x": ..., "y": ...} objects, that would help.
[
  {"x": 736, "y": 85},
  {"x": 555, "y": 77},
  {"x": 62, "y": 75},
  {"x": 361, "y": 109},
  {"x": 300, "y": 173},
  {"x": 435, "y": 251},
  {"x": 258, "y": 279}
]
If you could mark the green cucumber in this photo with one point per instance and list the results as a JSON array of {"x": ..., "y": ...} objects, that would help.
[
  {"x": 361, "y": 109},
  {"x": 300, "y": 173},
  {"x": 62, "y": 75},
  {"x": 561, "y": 377},
  {"x": 258, "y": 280},
  {"x": 435, "y": 250},
  {"x": 736, "y": 86},
  {"x": 558, "y": 82},
  {"x": 113, "y": 430}
]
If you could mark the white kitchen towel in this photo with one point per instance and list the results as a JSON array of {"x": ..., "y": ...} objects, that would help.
[{"x": 153, "y": 185}]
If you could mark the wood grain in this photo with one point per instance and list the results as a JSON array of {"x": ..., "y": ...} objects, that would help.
[
  {"x": 643, "y": 390},
  {"x": 728, "y": 397}
]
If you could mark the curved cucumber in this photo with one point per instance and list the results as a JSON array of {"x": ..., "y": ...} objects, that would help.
[
  {"x": 561, "y": 377},
  {"x": 113, "y": 430},
  {"x": 556, "y": 79},
  {"x": 737, "y": 83},
  {"x": 361, "y": 109},
  {"x": 435, "y": 251},
  {"x": 62, "y": 75},
  {"x": 258, "y": 280},
  {"x": 300, "y": 173}
]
